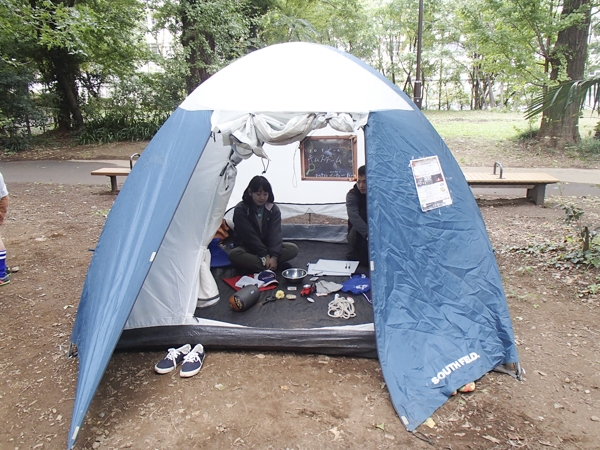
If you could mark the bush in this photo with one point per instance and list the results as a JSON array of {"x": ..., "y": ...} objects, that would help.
[
  {"x": 13, "y": 143},
  {"x": 119, "y": 128},
  {"x": 134, "y": 110},
  {"x": 589, "y": 148}
]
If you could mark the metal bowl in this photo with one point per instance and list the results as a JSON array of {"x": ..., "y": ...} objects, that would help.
[{"x": 294, "y": 275}]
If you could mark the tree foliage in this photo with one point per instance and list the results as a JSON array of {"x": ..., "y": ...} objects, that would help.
[
  {"x": 73, "y": 47},
  {"x": 86, "y": 62},
  {"x": 209, "y": 34}
]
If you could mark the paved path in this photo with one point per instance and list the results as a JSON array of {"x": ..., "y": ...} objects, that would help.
[
  {"x": 53, "y": 171},
  {"x": 574, "y": 182}
]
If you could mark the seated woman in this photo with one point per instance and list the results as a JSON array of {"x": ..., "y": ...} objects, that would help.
[{"x": 257, "y": 230}]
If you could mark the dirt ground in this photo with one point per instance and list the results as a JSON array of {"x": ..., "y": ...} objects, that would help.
[{"x": 281, "y": 400}]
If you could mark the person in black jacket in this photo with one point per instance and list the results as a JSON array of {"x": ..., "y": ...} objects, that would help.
[
  {"x": 358, "y": 231},
  {"x": 257, "y": 230}
]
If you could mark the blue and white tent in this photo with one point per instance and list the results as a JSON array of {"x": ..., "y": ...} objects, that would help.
[{"x": 440, "y": 314}]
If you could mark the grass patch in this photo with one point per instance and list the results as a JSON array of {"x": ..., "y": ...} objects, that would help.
[{"x": 494, "y": 125}]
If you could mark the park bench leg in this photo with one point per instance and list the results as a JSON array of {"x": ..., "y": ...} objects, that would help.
[
  {"x": 537, "y": 194},
  {"x": 113, "y": 183}
]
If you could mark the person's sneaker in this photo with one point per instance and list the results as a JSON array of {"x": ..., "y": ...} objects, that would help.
[
  {"x": 173, "y": 358},
  {"x": 5, "y": 280},
  {"x": 192, "y": 363}
]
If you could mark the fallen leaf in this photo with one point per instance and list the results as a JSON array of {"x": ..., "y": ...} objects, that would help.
[
  {"x": 336, "y": 433},
  {"x": 429, "y": 422},
  {"x": 381, "y": 426},
  {"x": 492, "y": 439},
  {"x": 219, "y": 386}
]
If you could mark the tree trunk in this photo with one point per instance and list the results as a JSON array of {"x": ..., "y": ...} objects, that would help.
[
  {"x": 61, "y": 70},
  {"x": 391, "y": 53},
  {"x": 491, "y": 92},
  {"x": 199, "y": 50},
  {"x": 440, "y": 87},
  {"x": 65, "y": 70},
  {"x": 570, "y": 55}
]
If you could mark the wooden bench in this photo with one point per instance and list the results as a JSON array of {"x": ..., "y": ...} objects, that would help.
[
  {"x": 534, "y": 182},
  {"x": 114, "y": 172}
]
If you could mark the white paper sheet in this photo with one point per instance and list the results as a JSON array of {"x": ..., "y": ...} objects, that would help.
[
  {"x": 332, "y": 267},
  {"x": 432, "y": 189}
]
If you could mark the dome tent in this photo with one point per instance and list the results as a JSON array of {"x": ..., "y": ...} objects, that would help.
[{"x": 439, "y": 312}]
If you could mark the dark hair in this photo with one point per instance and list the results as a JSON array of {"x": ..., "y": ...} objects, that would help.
[
  {"x": 362, "y": 171},
  {"x": 254, "y": 186}
]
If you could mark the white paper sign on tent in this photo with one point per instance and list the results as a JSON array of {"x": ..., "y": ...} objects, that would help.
[
  {"x": 432, "y": 189},
  {"x": 332, "y": 267}
]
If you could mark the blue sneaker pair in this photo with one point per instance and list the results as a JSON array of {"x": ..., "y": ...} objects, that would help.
[{"x": 190, "y": 360}]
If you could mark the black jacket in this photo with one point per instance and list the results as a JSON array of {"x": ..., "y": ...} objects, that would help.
[
  {"x": 247, "y": 233},
  {"x": 356, "y": 207}
]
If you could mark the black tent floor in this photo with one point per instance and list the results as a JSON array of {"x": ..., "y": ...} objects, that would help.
[
  {"x": 289, "y": 314},
  {"x": 283, "y": 325}
]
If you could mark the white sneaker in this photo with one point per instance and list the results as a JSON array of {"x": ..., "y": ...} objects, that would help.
[
  {"x": 173, "y": 358},
  {"x": 192, "y": 363}
]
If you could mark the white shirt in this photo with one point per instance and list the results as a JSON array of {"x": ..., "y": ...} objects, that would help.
[{"x": 3, "y": 190}]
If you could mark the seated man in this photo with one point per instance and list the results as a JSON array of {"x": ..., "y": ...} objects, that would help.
[{"x": 358, "y": 232}]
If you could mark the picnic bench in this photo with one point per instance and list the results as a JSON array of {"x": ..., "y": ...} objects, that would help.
[
  {"x": 534, "y": 182},
  {"x": 114, "y": 172}
]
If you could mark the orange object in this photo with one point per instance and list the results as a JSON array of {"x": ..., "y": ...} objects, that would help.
[
  {"x": 469, "y": 387},
  {"x": 223, "y": 231}
]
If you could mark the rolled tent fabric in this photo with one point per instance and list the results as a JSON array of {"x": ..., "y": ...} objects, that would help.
[{"x": 252, "y": 130}]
